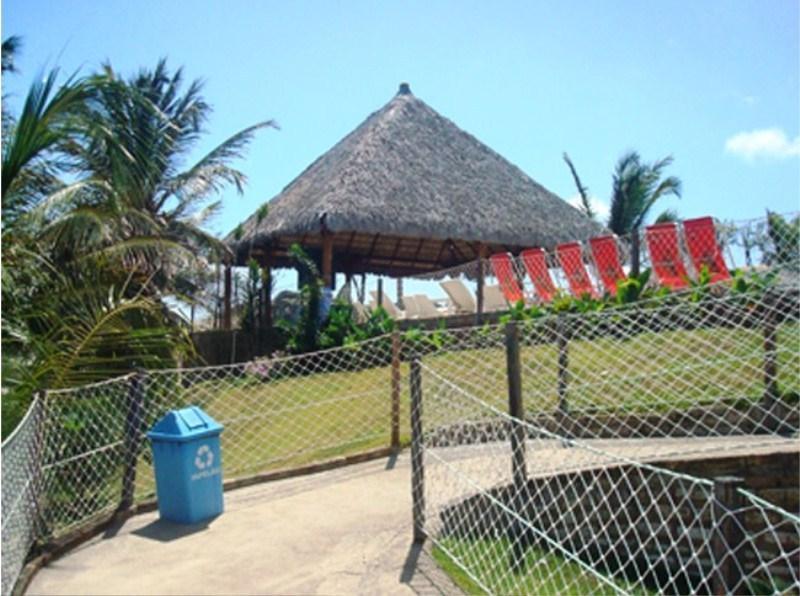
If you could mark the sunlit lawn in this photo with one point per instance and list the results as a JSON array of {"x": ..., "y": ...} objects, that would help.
[{"x": 296, "y": 420}]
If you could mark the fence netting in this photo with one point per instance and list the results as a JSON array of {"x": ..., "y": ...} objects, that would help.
[
  {"x": 615, "y": 396},
  {"x": 80, "y": 454},
  {"x": 629, "y": 416}
]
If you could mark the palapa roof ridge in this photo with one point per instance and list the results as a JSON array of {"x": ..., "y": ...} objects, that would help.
[{"x": 408, "y": 171}]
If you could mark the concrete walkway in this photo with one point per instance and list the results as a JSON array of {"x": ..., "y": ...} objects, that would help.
[{"x": 347, "y": 531}]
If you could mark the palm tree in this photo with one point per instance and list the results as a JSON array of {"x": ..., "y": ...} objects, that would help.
[
  {"x": 142, "y": 206},
  {"x": 637, "y": 186}
]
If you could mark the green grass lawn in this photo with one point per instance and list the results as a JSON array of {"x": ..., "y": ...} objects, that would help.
[
  {"x": 651, "y": 371},
  {"x": 293, "y": 421},
  {"x": 296, "y": 420},
  {"x": 544, "y": 574}
]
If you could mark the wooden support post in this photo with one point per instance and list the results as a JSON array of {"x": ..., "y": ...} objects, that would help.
[
  {"x": 562, "y": 341},
  {"x": 327, "y": 260},
  {"x": 226, "y": 309},
  {"x": 380, "y": 292},
  {"x": 362, "y": 296},
  {"x": 417, "y": 453},
  {"x": 132, "y": 439},
  {"x": 480, "y": 284},
  {"x": 395, "y": 390},
  {"x": 728, "y": 537}
]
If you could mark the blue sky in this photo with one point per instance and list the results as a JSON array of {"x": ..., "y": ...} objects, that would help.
[{"x": 714, "y": 83}]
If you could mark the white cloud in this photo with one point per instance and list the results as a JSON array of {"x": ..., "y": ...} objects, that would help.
[
  {"x": 601, "y": 208},
  {"x": 750, "y": 100},
  {"x": 767, "y": 143}
]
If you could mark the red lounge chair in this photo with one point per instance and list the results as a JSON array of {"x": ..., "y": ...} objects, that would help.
[
  {"x": 665, "y": 255},
  {"x": 605, "y": 252},
  {"x": 503, "y": 269},
  {"x": 571, "y": 259},
  {"x": 536, "y": 265},
  {"x": 701, "y": 240}
]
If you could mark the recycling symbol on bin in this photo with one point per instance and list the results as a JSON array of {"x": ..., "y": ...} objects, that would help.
[{"x": 204, "y": 457}]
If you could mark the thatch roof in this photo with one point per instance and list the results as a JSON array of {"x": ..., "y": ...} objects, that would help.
[{"x": 403, "y": 185}]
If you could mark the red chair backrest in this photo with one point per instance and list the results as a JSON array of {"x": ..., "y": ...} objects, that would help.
[
  {"x": 536, "y": 265},
  {"x": 571, "y": 259},
  {"x": 503, "y": 269},
  {"x": 605, "y": 251},
  {"x": 665, "y": 255},
  {"x": 701, "y": 240}
]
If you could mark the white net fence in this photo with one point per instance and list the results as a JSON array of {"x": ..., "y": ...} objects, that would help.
[
  {"x": 619, "y": 399},
  {"x": 80, "y": 454},
  {"x": 608, "y": 481}
]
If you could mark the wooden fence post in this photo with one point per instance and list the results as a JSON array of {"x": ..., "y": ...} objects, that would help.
[
  {"x": 133, "y": 436},
  {"x": 515, "y": 407},
  {"x": 770, "y": 357},
  {"x": 562, "y": 341},
  {"x": 395, "y": 389},
  {"x": 417, "y": 455},
  {"x": 728, "y": 536}
]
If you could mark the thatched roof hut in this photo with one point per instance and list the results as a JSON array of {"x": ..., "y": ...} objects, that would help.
[{"x": 408, "y": 192}]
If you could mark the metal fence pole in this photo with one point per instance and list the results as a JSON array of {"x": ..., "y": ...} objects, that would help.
[
  {"x": 728, "y": 536},
  {"x": 133, "y": 436},
  {"x": 395, "y": 389},
  {"x": 417, "y": 457}
]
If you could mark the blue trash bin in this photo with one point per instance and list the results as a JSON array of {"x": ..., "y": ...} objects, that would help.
[{"x": 188, "y": 464}]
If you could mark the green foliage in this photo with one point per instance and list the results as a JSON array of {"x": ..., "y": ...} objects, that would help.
[
  {"x": 88, "y": 262},
  {"x": 752, "y": 281},
  {"x": 630, "y": 288},
  {"x": 303, "y": 336}
]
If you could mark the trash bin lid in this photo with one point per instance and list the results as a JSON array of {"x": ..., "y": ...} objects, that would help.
[{"x": 184, "y": 425}]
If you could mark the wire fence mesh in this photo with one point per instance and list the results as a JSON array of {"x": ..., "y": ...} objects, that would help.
[
  {"x": 577, "y": 494},
  {"x": 610, "y": 395},
  {"x": 577, "y": 518},
  {"x": 80, "y": 454}
]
